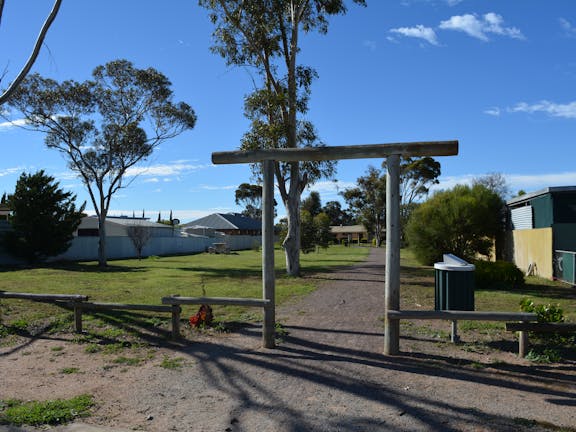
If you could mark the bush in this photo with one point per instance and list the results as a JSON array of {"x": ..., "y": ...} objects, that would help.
[
  {"x": 498, "y": 275},
  {"x": 462, "y": 221},
  {"x": 546, "y": 313}
]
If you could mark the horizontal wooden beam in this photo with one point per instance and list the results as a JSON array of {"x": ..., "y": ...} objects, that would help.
[
  {"x": 542, "y": 327},
  {"x": 226, "y": 301},
  {"x": 430, "y": 148},
  {"x": 122, "y": 306},
  {"x": 455, "y": 315},
  {"x": 44, "y": 297}
]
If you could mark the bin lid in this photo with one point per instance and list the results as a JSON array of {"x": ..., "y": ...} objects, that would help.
[{"x": 454, "y": 263}]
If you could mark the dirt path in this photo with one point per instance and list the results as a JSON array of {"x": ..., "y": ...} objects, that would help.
[{"x": 327, "y": 374}]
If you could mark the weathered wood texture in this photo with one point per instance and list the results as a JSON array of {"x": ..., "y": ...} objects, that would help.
[
  {"x": 542, "y": 327},
  {"x": 44, "y": 297},
  {"x": 123, "y": 306},
  {"x": 431, "y": 148},
  {"x": 392, "y": 269},
  {"x": 460, "y": 315},
  {"x": 226, "y": 301},
  {"x": 268, "y": 276},
  {"x": 524, "y": 327}
]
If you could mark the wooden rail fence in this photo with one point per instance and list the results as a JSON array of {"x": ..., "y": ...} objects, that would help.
[
  {"x": 79, "y": 303},
  {"x": 525, "y": 318}
]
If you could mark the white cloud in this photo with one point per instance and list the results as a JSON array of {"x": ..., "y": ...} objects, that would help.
[
  {"x": 10, "y": 124},
  {"x": 480, "y": 27},
  {"x": 552, "y": 109},
  {"x": 9, "y": 171},
  {"x": 528, "y": 183},
  {"x": 420, "y": 32},
  {"x": 165, "y": 170},
  {"x": 569, "y": 29},
  {"x": 215, "y": 188},
  {"x": 493, "y": 111}
]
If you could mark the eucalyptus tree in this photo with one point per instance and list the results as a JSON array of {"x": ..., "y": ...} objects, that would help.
[
  {"x": 104, "y": 126},
  {"x": 35, "y": 50},
  {"x": 265, "y": 35},
  {"x": 367, "y": 202}
]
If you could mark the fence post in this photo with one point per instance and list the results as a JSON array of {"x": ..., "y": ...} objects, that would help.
[
  {"x": 268, "y": 281},
  {"x": 77, "y": 317},
  {"x": 176, "y": 311},
  {"x": 392, "y": 271}
]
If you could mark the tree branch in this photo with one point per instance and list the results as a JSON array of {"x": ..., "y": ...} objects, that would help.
[{"x": 39, "y": 41}]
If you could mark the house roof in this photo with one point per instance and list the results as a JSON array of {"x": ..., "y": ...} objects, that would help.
[
  {"x": 347, "y": 229},
  {"x": 128, "y": 221},
  {"x": 548, "y": 190},
  {"x": 227, "y": 221}
]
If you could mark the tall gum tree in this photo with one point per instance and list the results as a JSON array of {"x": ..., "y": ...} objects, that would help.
[
  {"x": 104, "y": 126},
  {"x": 264, "y": 35}
]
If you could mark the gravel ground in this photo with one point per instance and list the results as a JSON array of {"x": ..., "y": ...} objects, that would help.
[{"x": 327, "y": 374}]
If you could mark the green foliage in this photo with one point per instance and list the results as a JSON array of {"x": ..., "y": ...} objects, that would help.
[
  {"x": 498, "y": 275},
  {"x": 547, "y": 355},
  {"x": 104, "y": 126},
  {"x": 312, "y": 204},
  {"x": 314, "y": 231},
  {"x": 44, "y": 218},
  {"x": 367, "y": 202},
  {"x": 548, "y": 345},
  {"x": 548, "y": 313},
  {"x": 250, "y": 195},
  {"x": 265, "y": 35},
  {"x": 59, "y": 411},
  {"x": 462, "y": 221},
  {"x": 337, "y": 215}
]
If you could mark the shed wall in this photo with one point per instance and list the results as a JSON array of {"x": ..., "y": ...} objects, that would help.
[{"x": 534, "y": 246}]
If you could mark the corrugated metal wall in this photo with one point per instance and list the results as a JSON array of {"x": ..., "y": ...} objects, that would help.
[{"x": 522, "y": 218}]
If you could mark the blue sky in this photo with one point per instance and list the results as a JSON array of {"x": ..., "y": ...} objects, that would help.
[{"x": 497, "y": 75}]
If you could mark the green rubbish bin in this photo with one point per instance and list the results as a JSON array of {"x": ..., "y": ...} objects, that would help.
[{"x": 454, "y": 284}]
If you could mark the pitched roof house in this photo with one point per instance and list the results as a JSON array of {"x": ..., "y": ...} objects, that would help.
[{"x": 226, "y": 223}]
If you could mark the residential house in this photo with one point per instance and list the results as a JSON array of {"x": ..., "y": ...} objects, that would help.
[
  {"x": 350, "y": 233},
  {"x": 117, "y": 226},
  {"x": 231, "y": 224},
  {"x": 542, "y": 237}
]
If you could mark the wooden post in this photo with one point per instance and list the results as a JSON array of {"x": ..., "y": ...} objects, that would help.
[
  {"x": 454, "y": 338},
  {"x": 78, "y": 317},
  {"x": 176, "y": 311},
  {"x": 268, "y": 278},
  {"x": 522, "y": 343},
  {"x": 392, "y": 271}
]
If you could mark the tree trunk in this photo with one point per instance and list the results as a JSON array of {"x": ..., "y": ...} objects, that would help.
[
  {"x": 102, "y": 239},
  {"x": 292, "y": 241}
]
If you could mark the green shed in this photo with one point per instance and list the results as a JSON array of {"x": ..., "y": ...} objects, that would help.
[{"x": 543, "y": 232}]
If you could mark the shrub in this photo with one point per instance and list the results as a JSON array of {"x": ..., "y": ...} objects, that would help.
[
  {"x": 498, "y": 275},
  {"x": 462, "y": 221},
  {"x": 545, "y": 313}
]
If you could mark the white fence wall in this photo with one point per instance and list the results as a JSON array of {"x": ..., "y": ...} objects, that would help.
[{"x": 86, "y": 248}]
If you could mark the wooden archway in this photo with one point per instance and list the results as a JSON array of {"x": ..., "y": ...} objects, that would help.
[{"x": 392, "y": 152}]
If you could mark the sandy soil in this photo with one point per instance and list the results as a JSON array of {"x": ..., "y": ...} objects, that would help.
[{"x": 327, "y": 374}]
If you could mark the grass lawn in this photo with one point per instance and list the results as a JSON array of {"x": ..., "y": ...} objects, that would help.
[{"x": 147, "y": 281}]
